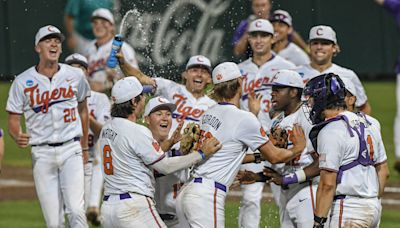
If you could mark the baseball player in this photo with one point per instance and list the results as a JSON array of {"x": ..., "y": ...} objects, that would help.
[
  {"x": 393, "y": 7},
  {"x": 297, "y": 194},
  {"x": 52, "y": 97},
  {"x": 323, "y": 47},
  {"x": 158, "y": 117},
  {"x": 257, "y": 71},
  {"x": 99, "y": 110},
  {"x": 99, "y": 50},
  {"x": 128, "y": 162},
  {"x": 282, "y": 22},
  {"x": 190, "y": 98},
  {"x": 201, "y": 201},
  {"x": 261, "y": 10},
  {"x": 353, "y": 163}
]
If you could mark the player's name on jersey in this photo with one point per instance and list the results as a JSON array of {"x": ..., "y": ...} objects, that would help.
[
  {"x": 109, "y": 134},
  {"x": 213, "y": 121}
]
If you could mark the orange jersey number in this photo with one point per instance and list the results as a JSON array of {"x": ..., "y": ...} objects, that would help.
[
  {"x": 107, "y": 160},
  {"x": 69, "y": 115}
]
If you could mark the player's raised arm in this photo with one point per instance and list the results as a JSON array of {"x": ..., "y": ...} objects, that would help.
[
  {"x": 276, "y": 155},
  {"x": 169, "y": 165},
  {"x": 130, "y": 70}
]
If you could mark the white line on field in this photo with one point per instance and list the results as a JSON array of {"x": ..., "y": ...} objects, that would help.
[{"x": 15, "y": 183}]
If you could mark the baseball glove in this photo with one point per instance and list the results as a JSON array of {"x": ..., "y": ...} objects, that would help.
[
  {"x": 190, "y": 138},
  {"x": 279, "y": 137}
]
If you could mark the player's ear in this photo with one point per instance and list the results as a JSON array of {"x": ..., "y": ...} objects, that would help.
[
  {"x": 147, "y": 120},
  {"x": 37, "y": 48}
]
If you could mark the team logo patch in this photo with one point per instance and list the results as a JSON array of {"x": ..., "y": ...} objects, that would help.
[
  {"x": 219, "y": 77},
  {"x": 262, "y": 131},
  {"x": 156, "y": 146},
  {"x": 29, "y": 83}
]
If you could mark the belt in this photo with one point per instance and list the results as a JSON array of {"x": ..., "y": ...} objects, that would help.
[
  {"x": 58, "y": 144},
  {"x": 121, "y": 196},
  {"x": 216, "y": 184},
  {"x": 339, "y": 197},
  {"x": 167, "y": 217}
]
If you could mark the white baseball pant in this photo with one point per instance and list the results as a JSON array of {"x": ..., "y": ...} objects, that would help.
[
  {"x": 250, "y": 205},
  {"x": 136, "y": 211},
  {"x": 93, "y": 182},
  {"x": 355, "y": 212},
  {"x": 58, "y": 176},
  {"x": 299, "y": 210},
  {"x": 201, "y": 205}
]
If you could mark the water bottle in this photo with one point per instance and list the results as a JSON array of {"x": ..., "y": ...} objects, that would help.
[{"x": 116, "y": 46}]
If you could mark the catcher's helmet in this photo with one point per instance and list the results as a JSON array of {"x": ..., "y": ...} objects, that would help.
[{"x": 326, "y": 91}]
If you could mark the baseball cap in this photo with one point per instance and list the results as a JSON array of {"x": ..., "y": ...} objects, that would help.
[
  {"x": 77, "y": 59},
  {"x": 199, "y": 60},
  {"x": 156, "y": 103},
  {"x": 104, "y": 14},
  {"x": 287, "y": 78},
  {"x": 323, "y": 32},
  {"x": 48, "y": 30},
  {"x": 261, "y": 25},
  {"x": 349, "y": 85},
  {"x": 225, "y": 72},
  {"x": 126, "y": 89},
  {"x": 283, "y": 16}
]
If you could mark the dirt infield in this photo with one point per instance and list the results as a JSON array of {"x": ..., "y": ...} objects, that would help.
[{"x": 16, "y": 183}]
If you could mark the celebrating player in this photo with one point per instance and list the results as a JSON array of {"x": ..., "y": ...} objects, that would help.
[
  {"x": 128, "y": 162},
  {"x": 99, "y": 50},
  {"x": 207, "y": 190},
  {"x": 257, "y": 71},
  {"x": 158, "y": 117},
  {"x": 282, "y": 22},
  {"x": 99, "y": 109},
  {"x": 52, "y": 97},
  {"x": 353, "y": 163},
  {"x": 323, "y": 46}
]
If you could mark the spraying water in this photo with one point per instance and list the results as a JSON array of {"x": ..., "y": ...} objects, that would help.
[{"x": 136, "y": 16}]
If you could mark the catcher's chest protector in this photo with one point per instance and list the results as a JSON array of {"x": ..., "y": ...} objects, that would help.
[{"x": 364, "y": 153}]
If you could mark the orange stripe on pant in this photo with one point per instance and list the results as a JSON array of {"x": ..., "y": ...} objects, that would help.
[
  {"x": 312, "y": 197},
  {"x": 152, "y": 212},
  {"x": 341, "y": 213}
]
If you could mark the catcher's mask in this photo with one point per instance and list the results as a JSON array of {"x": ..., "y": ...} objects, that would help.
[{"x": 325, "y": 90}]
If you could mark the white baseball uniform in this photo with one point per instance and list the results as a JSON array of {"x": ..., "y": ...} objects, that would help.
[
  {"x": 307, "y": 72},
  {"x": 359, "y": 186},
  {"x": 189, "y": 109},
  {"x": 128, "y": 179},
  {"x": 297, "y": 202},
  {"x": 201, "y": 201},
  {"x": 294, "y": 54},
  {"x": 50, "y": 107},
  {"x": 99, "y": 108},
  {"x": 167, "y": 188},
  {"x": 97, "y": 59},
  {"x": 255, "y": 78}
]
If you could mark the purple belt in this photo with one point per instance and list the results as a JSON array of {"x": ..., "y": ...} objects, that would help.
[
  {"x": 121, "y": 196},
  {"x": 216, "y": 184}
]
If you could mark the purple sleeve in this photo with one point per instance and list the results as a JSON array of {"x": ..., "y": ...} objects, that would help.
[
  {"x": 240, "y": 30},
  {"x": 393, "y": 6}
]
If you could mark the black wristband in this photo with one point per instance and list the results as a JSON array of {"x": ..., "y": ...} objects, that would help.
[
  {"x": 257, "y": 158},
  {"x": 319, "y": 220}
]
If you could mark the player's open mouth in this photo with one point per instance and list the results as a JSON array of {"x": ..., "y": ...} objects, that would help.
[
  {"x": 197, "y": 81},
  {"x": 164, "y": 125}
]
